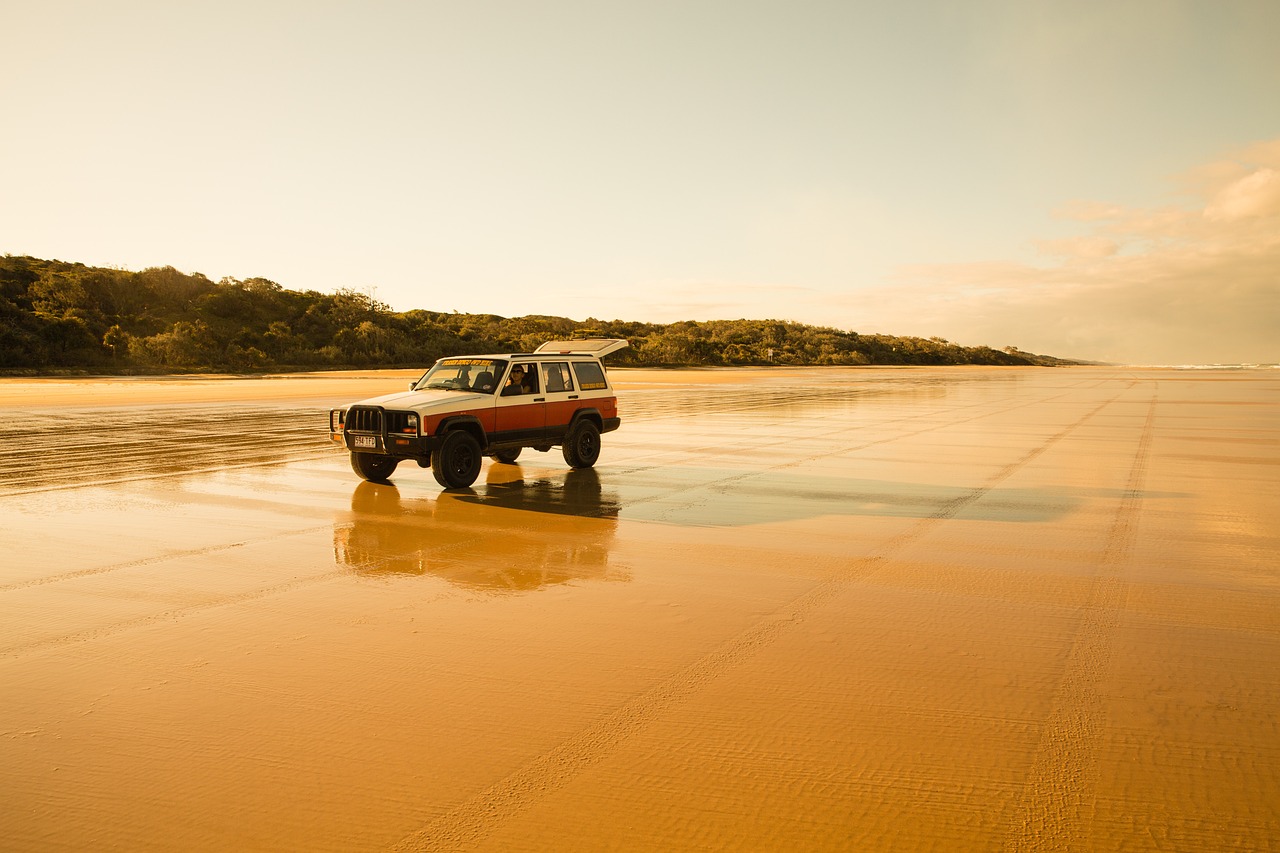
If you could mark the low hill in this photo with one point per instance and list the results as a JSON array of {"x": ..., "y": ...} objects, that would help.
[{"x": 67, "y": 316}]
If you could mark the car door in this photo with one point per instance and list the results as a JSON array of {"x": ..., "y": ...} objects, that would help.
[
  {"x": 562, "y": 396},
  {"x": 521, "y": 416}
]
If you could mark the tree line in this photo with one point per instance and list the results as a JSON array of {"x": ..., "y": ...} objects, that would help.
[{"x": 56, "y": 315}]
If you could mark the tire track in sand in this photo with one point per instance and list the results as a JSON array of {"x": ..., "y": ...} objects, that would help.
[
  {"x": 167, "y": 556},
  {"x": 472, "y": 820},
  {"x": 170, "y": 615},
  {"x": 1051, "y": 811},
  {"x": 173, "y": 614}
]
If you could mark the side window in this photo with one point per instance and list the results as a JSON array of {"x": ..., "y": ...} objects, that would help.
[
  {"x": 556, "y": 374},
  {"x": 590, "y": 376},
  {"x": 522, "y": 379},
  {"x": 530, "y": 378}
]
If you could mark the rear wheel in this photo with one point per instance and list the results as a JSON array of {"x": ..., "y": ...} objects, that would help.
[
  {"x": 456, "y": 462},
  {"x": 582, "y": 444},
  {"x": 508, "y": 456},
  {"x": 373, "y": 466}
]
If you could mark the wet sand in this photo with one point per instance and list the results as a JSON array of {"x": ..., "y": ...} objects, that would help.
[{"x": 925, "y": 609}]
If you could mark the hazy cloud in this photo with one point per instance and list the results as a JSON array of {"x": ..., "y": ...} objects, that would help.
[
  {"x": 1199, "y": 283},
  {"x": 1089, "y": 211},
  {"x": 1256, "y": 194},
  {"x": 1080, "y": 248}
]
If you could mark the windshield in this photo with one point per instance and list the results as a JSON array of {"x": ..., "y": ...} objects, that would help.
[{"x": 462, "y": 374}]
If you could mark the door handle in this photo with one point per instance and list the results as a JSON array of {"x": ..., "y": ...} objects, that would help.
[
  {"x": 539, "y": 399},
  {"x": 573, "y": 396}
]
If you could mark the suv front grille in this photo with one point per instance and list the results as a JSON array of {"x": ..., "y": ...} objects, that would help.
[
  {"x": 369, "y": 419},
  {"x": 362, "y": 419}
]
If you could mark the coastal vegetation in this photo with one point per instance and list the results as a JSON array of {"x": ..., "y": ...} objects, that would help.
[{"x": 59, "y": 316}]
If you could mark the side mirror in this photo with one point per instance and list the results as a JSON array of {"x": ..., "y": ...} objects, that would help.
[{"x": 413, "y": 384}]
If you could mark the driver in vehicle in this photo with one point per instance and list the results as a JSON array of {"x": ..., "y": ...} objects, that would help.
[{"x": 515, "y": 382}]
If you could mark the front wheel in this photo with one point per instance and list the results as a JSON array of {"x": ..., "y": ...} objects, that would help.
[
  {"x": 582, "y": 444},
  {"x": 456, "y": 462},
  {"x": 373, "y": 466}
]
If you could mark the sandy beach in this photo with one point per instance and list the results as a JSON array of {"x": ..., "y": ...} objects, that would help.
[{"x": 826, "y": 609}]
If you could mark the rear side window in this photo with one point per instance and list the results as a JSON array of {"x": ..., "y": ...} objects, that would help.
[
  {"x": 556, "y": 376},
  {"x": 590, "y": 376}
]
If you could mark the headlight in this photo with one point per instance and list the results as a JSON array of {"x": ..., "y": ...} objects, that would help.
[
  {"x": 412, "y": 423},
  {"x": 335, "y": 420}
]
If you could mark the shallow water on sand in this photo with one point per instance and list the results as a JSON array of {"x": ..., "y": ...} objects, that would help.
[{"x": 953, "y": 608}]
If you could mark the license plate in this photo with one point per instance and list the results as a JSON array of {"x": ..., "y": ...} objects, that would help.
[{"x": 364, "y": 441}]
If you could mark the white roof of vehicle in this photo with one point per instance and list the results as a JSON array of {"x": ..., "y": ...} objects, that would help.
[{"x": 599, "y": 347}]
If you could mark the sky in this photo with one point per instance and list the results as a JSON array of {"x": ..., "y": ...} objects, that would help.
[{"x": 1089, "y": 179}]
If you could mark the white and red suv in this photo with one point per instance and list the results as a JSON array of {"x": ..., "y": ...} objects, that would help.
[{"x": 472, "y": 406}]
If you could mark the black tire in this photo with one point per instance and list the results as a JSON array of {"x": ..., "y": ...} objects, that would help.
[
  {"x": 508, "y": 456},
  {"x": 582, "y": 444},
  {"x": 374, "y": 467},
  {"x": 456, "y": 462}
]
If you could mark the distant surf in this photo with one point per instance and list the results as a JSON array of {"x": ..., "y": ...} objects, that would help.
[{"x": 1219, "y": 366}]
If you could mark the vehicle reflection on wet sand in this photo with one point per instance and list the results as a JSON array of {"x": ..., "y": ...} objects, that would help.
[{"x": 510, "y": 535}]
